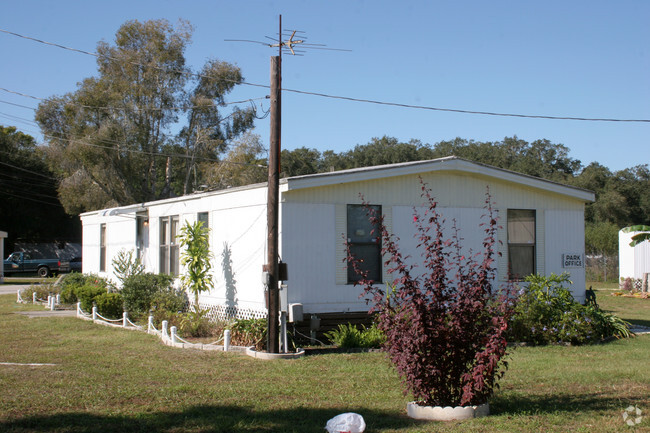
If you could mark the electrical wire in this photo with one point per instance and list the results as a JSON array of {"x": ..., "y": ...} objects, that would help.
[
  {"x": 100, "y": 56},
  {"x": 348, "y": 98},
  {"x": 137, "y": 108},
  {"x": 142, "y": 152},
  {"x": 17, "y": 105},
  {"x": 23, "y": 197},
  {"x": 28, "y": 171}
]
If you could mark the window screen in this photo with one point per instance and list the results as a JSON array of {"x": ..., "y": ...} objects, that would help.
[
  {"x": 521, "y": 243},
  {"x": 364, "y": 239}
]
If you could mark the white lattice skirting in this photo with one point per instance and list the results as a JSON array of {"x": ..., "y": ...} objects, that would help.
[{"x": 223, "y": 312}]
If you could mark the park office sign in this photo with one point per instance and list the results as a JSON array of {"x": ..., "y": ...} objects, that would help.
[{"x": 573, "y": 261}]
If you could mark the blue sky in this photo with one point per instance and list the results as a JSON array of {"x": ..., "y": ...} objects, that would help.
[{"x": 553, "y": 58}]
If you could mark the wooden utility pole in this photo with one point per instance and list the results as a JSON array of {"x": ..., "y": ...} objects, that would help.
[{"x": 273, "y": 203}]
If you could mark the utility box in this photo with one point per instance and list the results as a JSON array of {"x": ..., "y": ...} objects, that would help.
[{"x": 295, "y": 313}]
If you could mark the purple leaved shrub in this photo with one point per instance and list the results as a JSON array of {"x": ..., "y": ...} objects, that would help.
[{"x": 445, "y": 328}]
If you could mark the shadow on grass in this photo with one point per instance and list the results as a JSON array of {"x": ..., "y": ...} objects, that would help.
[
  {"x": 303, "y": 420},
  {"x": 546, "y": 404},
  {"x": 639, "y": 322},
  {"x": 203, "y": 419}
]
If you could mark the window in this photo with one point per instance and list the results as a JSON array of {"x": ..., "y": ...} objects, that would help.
[
  {"x": 204, "y": 218},
  {"x": 141, "y": 235},
  {"x": 364, "y": 239},
  {"x": 102, "y": 248},
  {"x": 521, "y": 243},
  {"x": 169, "y": 249}
]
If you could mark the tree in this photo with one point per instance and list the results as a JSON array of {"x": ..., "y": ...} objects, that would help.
[
  {"x": 445, "y": 330},
  {"x": 244, "y": 164},
  {"x": 300, "y": 161},
  {"x": 386, "y": 150},
  {"x": 540, "y": 158},
  {"x": 29, "y": 207},
  {"x": 112, "y": 141}
]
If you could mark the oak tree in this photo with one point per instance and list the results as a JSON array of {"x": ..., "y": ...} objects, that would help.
[{"x": 120, "y": 139}]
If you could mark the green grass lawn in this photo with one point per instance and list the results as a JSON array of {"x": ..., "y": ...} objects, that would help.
[
  {"x": 110, "y": 380},
  {"x": 634, "y": 310}
]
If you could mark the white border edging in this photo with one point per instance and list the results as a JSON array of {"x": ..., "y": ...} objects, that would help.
[
  {"x": 447, "y": 413},
  {"x": 250, "y": 351}
]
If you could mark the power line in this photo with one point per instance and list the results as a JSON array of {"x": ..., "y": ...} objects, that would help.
[
  {"x": 28, "y": 171},
  {"x": 452, "y": 110},
  {"x": 348, "y": 98},
  {"x": 94, "y": 107},
  {"x": 183, "y": 72},
  {"x": 17, "y": 105},
  {"x": 142, "y": 152},
  {"x": 22, "y": 197}
]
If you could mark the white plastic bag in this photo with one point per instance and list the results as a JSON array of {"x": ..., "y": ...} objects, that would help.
[{"x": 346, "y": 423}]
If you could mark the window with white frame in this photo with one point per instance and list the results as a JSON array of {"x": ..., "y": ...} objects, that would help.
[
  {"x": 364, "y": 239},
  {"x": 204, "y": 218},
  {"x": 169, "y": 248},
  {"x": 521, "y": 243}
]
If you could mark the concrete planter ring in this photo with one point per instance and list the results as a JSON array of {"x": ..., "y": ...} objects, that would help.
[
  {"x": 250, "y": 351},
  {"x": 447, "y": 413}
]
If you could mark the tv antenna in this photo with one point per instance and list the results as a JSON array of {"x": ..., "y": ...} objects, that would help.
[{"x": 286, "y": 43}]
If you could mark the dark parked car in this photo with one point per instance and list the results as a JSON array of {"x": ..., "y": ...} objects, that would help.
[
  {"x": 72, "y": 265},
  {"x": 23, "y": 263}
]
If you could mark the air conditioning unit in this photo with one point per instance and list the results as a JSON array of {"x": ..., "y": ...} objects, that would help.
[{"x": 295, "y": 313}]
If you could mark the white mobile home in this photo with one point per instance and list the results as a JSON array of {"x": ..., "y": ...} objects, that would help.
[{"x": 542, "y": 230}]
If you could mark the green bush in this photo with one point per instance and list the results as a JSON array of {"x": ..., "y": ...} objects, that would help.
[
  {"x": 125, "y": 264},
  {"x": 42, "y": 291},
  {"x": 171, "y": 299},
  {"x": 140, "y": 290},
  {"x": 86, "y": 295},
  {"x": 196, "y": 324},
  {"x": 249, "y": 332},
  {"x": 547, "y": 313},
  {"x": 110, "y": 305},
  {"x": 349, "y": 336},
  {"x": 70, "y": 283}
]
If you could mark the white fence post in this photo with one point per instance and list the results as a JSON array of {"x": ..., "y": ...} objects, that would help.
[
  {"x": 173, "y": 330},
  {"x": 125, "y": 319},
  {"x": 58, "y": 299},
  {"x": 164, "y": 329},
  {"x": 150, "y": 324},
  {"x": 226, "y": 340},
  {"x": 78, "y": 309},
  {"x": 94, "y": 313},
  {"x": 33, "y": 297}
]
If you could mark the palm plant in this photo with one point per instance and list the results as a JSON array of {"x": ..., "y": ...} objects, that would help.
[{"x": 196, "y": 258}]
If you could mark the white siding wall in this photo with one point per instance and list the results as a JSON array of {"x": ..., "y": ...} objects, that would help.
[
  {"x": 313, "y": 221},
  {"x": 120, "y": 234},
  {"x": 565, "y": 234},
  {"x": 318, "y": 279},
  {"x": 237, "y": 220}
]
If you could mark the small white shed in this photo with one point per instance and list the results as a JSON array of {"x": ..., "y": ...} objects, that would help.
[
  {"x": 542, "y": 230},
  {"x": 633, "y": 262}
]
